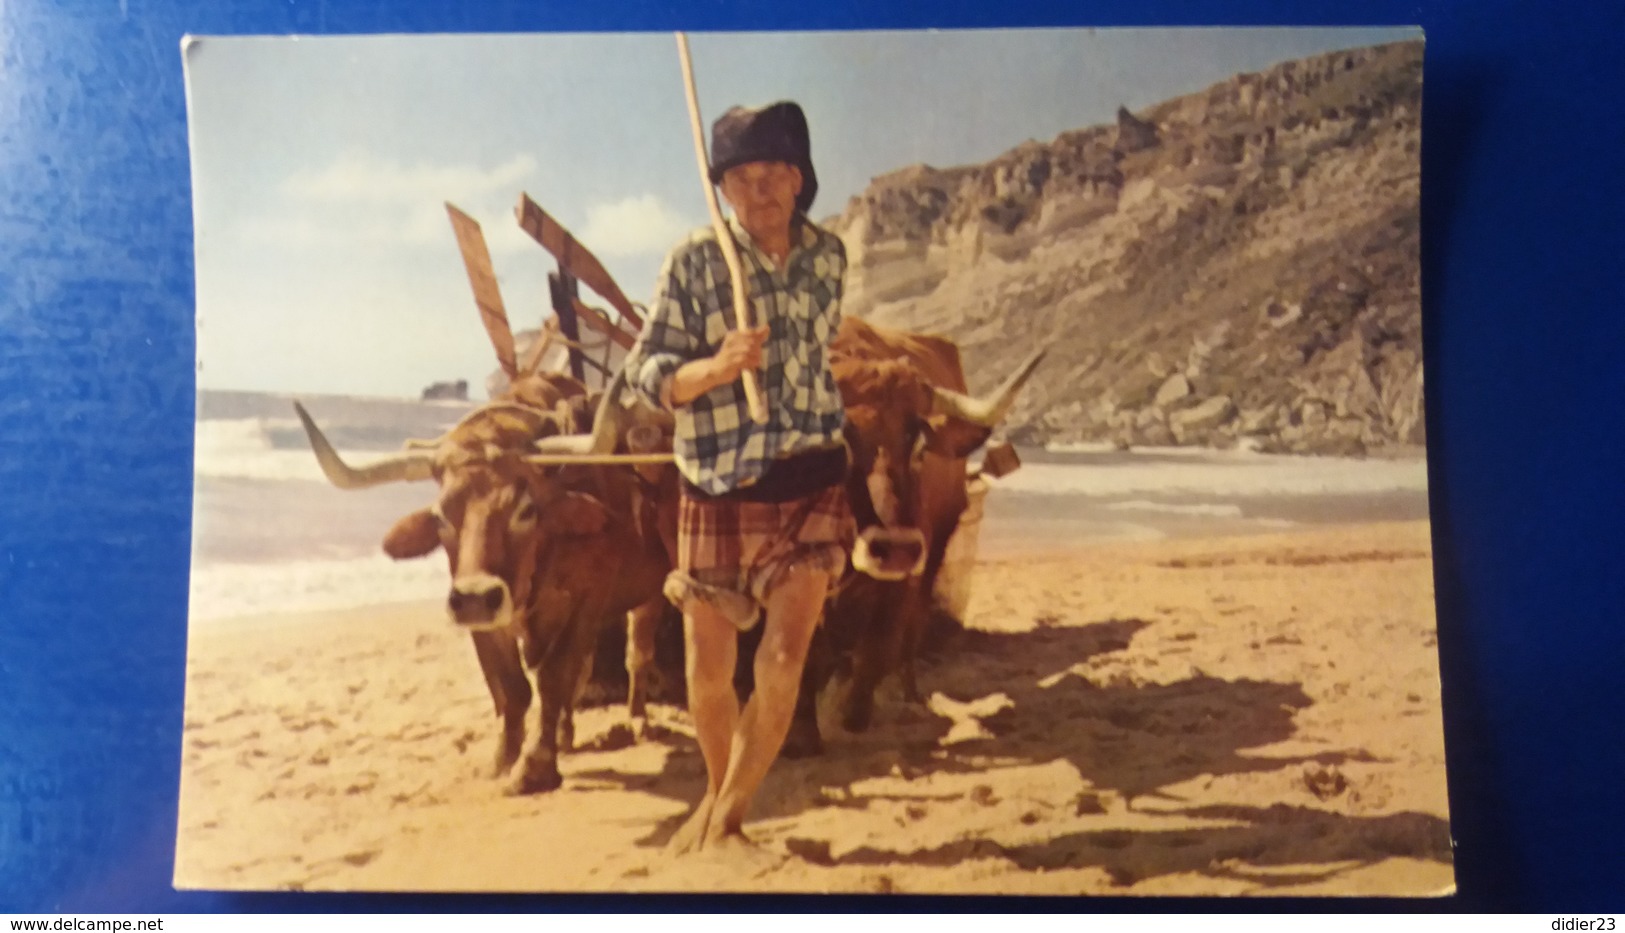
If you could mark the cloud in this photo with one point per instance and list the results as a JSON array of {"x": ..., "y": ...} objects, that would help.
[
  {"x": 360, "y": 200},
  {"x": 635, "y": 226},
  {"x": 359, "y": 179},
  {"x": 373, "y": 222}
]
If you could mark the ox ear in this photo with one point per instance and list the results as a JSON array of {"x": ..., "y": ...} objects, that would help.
[
  {"x": 954, "y": 439},
  {"x": 578, "y": 514},
  {"x": 413, "y": 536}
]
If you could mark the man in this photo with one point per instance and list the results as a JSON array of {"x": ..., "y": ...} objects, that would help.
[{"x": 764, "y": 525}]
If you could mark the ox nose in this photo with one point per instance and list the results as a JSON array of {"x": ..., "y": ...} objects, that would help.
[
  {"x": 889, "y": 553},
  {"x": 477, "y": 604}
]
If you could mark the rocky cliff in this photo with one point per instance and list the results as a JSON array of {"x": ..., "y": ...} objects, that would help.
[{"x": 1239, "y": 265}]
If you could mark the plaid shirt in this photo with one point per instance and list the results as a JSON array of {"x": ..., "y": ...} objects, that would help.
[{"x": 719, "y": 448}]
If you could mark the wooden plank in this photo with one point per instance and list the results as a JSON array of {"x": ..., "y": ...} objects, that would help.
[
  {"x": 600, "y": 322},
  {"x": 487, "y": 297},
  {"x": 574, "y": 259},
  {"x": 563, "y": 291},
  {"x": 602, "y": 369}
]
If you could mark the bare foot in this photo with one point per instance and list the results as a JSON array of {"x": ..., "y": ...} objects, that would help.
[
  {"x": 728, "y": 840},
  {"x": 741, "y": 853},
  {"x": 727, "y": 829},
  {"x": 690, "y": 837}
]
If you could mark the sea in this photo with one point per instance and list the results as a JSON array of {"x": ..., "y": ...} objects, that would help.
[{"x": 270, "y": 535}]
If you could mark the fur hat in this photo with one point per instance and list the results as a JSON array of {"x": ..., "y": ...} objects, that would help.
[{"x": 775, "y": 133}]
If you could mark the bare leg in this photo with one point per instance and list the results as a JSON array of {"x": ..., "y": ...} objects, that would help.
[
  {"x": 793, "y": 610},
  {"x": 804, "y": 739},
  {"x": 711, "y": 643}
]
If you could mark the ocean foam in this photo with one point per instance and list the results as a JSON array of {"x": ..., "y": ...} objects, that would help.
[
  {"x": 242, "y": 449},
  {"x": 1219, "y": 474},
  {"x": 1102, "y": 447},
  {"x": 1203, "y": 510},
  {"x": 222, "y": 591}
]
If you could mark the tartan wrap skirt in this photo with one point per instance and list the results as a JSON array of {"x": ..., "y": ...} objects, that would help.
[{"x": 731, "y": 553}]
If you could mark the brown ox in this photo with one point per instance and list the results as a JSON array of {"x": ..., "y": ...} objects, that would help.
[
  {"x": 540, "y": 558},
  {"x": 910, "y": 427}
]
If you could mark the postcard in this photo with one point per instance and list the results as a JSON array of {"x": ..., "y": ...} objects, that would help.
[{"x": 1084, "y": 408}]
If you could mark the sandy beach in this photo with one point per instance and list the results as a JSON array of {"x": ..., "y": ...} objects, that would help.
[{"x": 1251, "y": 715}]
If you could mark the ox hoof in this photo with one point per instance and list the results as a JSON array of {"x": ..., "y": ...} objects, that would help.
[
  {"x": 526, "y": 783},
  {"x": 617, "y": 737},
  {"x": 503, "y": 761},
  {"x": 858, "y": 717},
  {"x": 911, "y": 686}
]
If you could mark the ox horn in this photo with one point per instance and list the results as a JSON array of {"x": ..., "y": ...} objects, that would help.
[
  {"x": 599, "y": 446},
  {"x": 394, "y": 469},
  {"x": 989, "y": 411}
]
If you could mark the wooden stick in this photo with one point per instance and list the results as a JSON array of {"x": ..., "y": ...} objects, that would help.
[
  {"x": 600, "y": 459},
  {"x": 753, "y": 388}
]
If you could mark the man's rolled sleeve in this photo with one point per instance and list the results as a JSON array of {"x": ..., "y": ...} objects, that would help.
[
  {"x": 654, "y": 379},
  {"x": 666, "y": 342}
]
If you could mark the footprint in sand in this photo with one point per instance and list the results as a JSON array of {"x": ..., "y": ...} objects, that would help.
[{"x": 1324, "y": 782}]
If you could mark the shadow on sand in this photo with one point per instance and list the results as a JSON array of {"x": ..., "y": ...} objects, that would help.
[
  {"x": 1311, "y": 845},
  {"x": 1131, "y": 739}
]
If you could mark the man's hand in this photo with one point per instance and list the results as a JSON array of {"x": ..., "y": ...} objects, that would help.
[{"x": 741, "y": 350}]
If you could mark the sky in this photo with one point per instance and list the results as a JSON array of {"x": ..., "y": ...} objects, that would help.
[{"x": 321, "y": 165}]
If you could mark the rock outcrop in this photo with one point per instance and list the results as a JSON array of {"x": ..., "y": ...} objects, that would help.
[
  {"x": 1134, "y": 134},
  {"x": 440, "y": 391},
  {"x": 1238, "y": 265}
]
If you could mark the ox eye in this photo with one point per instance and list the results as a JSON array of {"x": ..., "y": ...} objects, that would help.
[{"x": 526, "y": 513}]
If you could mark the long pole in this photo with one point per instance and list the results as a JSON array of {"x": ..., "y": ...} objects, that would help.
[{"x": 730, "y": 252}]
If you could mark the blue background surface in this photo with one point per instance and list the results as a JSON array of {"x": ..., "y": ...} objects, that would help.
[{"x": 1524, "y": 314}]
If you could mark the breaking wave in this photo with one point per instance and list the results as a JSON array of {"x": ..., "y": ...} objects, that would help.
[
  {"x": 242, "y": 449},
  {"x": 222, "y": 591},
  {"x": 1206, "y": 475},
  {"x": 1204, "y": 510}
]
